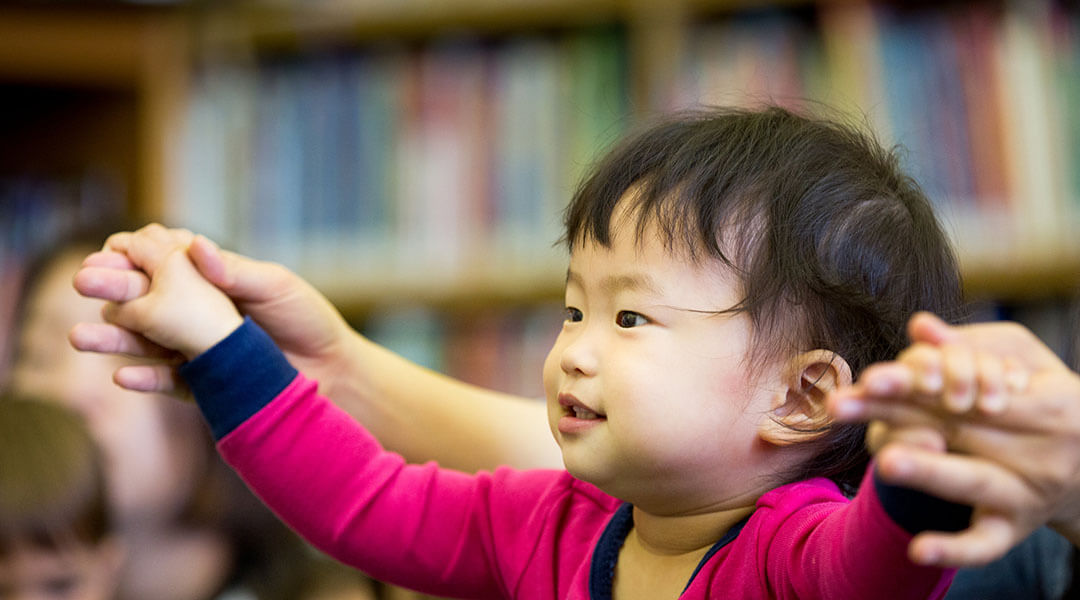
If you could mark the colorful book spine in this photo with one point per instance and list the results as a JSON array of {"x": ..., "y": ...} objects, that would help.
[
  {"x": 982, "y": 99},
  {"x": 414, "y": 163},
  {"x": 501, "y": 349}
]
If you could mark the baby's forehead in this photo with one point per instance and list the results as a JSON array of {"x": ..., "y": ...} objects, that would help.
[
  {"x": 650, "y": 240},
  {"x": 701, "y": 281}
]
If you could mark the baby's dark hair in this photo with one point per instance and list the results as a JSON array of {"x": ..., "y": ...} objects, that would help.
[
  {"x": 833, "y": 245},
  {"x": 52, "y": 482}
]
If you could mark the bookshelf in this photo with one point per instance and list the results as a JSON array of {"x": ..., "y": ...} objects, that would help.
[
  {"x": 114, "y": 82},
  {"x": 982, "y": 94},
  {"x": 417, "y": 152}
]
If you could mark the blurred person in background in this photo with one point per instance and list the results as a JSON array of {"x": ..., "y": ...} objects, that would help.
[
  {"x": 56, "y": 538},
  {"x": 191, "y": 529}
]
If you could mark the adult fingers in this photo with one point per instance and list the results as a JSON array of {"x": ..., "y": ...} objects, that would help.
[
  {"x": 878, "y": 434},
  {"x": 160, "y": 379},
  {"x": 853, "y": 405},
  {"x": 887, "y": 379},
  {"x": 209, "y": 259},
  {"x": 112, "y": 339},
  {"x": 882, "y": 382},
  {"x": 988, "y": 538},
  {"x": 115, "y": 285},
  {"x": 959, "y": 371},
  {"x": 957, "y": 478},
  {"x": 108, "y": 259},
  {"x": 927, "y": 364},
  {"x": 243, "y": 279},
  {"x": 992, "y": 398},
  {"x": 1003, "y": 338}
]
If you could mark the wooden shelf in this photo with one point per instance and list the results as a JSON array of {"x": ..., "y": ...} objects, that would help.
[
  {"x": 137, "y": 55},
  {"x": 356, "y": 296},
  {"x": 289, "y": 23},
  {"x": 90, "y": 48},
  {"x": 1023, "y": 279}
]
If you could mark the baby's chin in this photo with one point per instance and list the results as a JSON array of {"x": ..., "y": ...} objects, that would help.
[{"x": 584, "y": 466}]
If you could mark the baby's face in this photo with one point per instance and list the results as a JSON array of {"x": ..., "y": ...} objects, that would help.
[
  {"x": 76, "y": 572},
  {"x": 649, "y": 395}
]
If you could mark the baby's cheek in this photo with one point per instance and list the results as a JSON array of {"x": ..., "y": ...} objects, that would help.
[{"x": 551, "y": 374}]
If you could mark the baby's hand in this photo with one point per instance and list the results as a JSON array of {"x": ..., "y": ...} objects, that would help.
[
  {"x": 179, "y": 310},
  {"x": 953, "y": 377}
]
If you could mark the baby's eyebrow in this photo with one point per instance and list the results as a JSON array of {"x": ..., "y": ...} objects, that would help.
[
  {"x": 634, "y": 282},
  {"x": 611, "y": 284}
]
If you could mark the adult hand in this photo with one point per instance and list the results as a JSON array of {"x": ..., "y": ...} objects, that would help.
[
  {"x": 1018, "y": 464},
  {"x": 301, "y": 321}
]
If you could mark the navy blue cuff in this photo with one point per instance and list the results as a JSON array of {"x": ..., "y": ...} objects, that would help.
[
  {"x": 237, "y": 377},
  {"x": 916, "y": 511}
]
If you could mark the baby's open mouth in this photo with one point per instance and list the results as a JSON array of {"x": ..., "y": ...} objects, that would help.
[{"x": 583, "y": 413}]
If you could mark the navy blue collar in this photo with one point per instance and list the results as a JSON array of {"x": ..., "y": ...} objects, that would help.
[{"x": 606, "y": 554}]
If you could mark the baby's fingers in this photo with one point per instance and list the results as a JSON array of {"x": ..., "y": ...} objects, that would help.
[
  {"x": 957, "y": 478},
  {"x": 116, "y": 285},
  {"x": 151, "y": 245},
  {"x": 988, "y": 539},
  {"x": 111, "y": 339},
  {"x": 162, "y": 379}
]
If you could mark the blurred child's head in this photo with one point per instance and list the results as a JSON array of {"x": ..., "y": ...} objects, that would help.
[
  {"x": 801, "y": 235},
  {"x": 56, "y": 541}
]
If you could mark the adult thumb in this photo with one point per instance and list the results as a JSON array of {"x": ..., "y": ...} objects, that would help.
[
  {"x": 243, "y": 279},
  {"x": 209, "y": 260}
]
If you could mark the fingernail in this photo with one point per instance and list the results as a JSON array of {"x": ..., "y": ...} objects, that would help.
[
  {"x": 879, "y": 387},
  {"x": 992, "y": 402},
  {"x": 930, "y": 556},
  {"x": 932, "y": 382},
  {"x": 849, "y": 409},
  {"x": 1016, "y": 381},
  {"x": 958, "y": 401},
  {"x": 900, "y": 466}
]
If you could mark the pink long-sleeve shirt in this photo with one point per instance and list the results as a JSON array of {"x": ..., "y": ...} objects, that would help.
[{"x": 509, "y": 533}]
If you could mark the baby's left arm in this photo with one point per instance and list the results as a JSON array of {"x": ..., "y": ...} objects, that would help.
[{"x": 180, "y": 310}]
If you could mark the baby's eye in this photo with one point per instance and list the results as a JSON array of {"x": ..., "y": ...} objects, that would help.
[
  {"x": 628, "y": 319},
  {"x": 573, "y": 315}
]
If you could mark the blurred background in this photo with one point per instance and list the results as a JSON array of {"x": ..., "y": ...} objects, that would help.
[{"x": 411, "y": 157}]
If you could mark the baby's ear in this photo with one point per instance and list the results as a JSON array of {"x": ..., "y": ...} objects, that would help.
[{"x": 798, "y": 410}]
